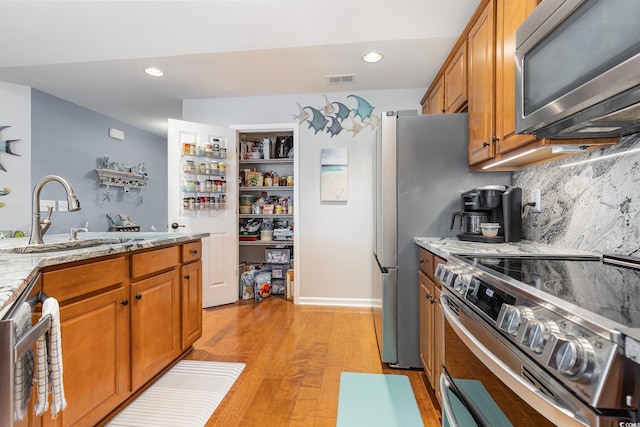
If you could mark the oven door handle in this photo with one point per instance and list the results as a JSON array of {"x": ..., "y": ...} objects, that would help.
[
  {"x": 528, "y": 393},
  {"x": 446, "y": 402}
]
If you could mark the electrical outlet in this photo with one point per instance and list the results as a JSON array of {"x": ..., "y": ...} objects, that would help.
[
  {"x": 63, "y": 205},
  {"x": 535, "y": 199},
  {"x": 44, "y": 205}
]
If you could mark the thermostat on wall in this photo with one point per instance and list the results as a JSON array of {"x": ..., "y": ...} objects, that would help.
[{"x": 116, "y": 134}]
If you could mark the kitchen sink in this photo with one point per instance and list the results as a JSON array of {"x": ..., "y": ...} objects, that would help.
[{"x": 68, "y": 245}]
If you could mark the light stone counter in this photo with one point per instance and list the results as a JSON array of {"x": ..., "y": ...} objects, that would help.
[
  {"x": 17, "y": 270},
  {"x": 445, "y": 246}
]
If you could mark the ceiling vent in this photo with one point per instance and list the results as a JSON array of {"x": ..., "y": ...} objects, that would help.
[{"x": 341, "y": 79}]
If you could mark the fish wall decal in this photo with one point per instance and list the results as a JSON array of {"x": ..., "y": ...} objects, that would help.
[
  {"x": 319, "y": 121},
  {"x": 364, "y": 109},
  {"x": 327, "y": 117},
  {"x": 335, "y": 126}
]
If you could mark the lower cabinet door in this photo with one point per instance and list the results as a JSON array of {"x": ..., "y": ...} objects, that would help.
[
  {"x": 191, "y": 296},
  {"x": 95, "y": 356},
  {"x": 426, "y": 324},
  {"x": 155, "y": 325}
]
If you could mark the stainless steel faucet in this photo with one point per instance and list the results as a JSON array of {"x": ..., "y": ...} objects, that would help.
[{"x": 38, "y": 230}]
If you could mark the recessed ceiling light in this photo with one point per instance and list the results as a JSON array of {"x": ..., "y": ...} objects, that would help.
[
  {"x": 372, "y": 57},
  {"x": 153, "y": 71}
]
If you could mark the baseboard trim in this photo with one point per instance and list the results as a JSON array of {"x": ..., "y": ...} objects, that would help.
[{"x": 338, "y": 302}]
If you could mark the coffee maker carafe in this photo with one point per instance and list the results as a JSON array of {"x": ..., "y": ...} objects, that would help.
[{"x": 490, "y": 204}]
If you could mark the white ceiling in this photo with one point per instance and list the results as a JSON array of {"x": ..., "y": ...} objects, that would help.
[{"x": 93, "y": 53}]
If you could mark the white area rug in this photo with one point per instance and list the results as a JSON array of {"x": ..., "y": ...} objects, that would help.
[{"x": 185, "y": 396}]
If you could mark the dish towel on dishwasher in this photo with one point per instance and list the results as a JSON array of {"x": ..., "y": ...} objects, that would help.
[
  {"x": 24, "y": 365},
  {"x": 49, "y": 359}
]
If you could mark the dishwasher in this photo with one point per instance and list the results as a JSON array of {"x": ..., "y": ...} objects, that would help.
[{"x": 12, "y": 348}]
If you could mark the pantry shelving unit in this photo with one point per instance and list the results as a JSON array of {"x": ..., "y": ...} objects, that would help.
[{"x": 252, "y": 252}]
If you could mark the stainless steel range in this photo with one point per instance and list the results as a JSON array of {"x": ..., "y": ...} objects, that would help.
[{"x": 550, "y": 329}]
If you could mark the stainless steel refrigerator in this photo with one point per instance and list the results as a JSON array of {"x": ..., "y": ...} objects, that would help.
[{"x": 420, "y": 170}]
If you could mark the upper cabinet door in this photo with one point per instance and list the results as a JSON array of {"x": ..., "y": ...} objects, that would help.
[
  {"x": 455, "y": 81},
  {"x": 509, "y": 16},
  {"x": 481, "y": 87},
  {"x": 435, "y": 99}
]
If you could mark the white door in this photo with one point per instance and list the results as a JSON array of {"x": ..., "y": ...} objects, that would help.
[{"x": 220, "y": 249}]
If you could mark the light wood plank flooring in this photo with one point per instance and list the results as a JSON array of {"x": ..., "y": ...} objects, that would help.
[{"x": 294, "y": 356}]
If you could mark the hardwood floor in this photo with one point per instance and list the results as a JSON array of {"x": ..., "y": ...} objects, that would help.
[{"x": 294, "y": 356}]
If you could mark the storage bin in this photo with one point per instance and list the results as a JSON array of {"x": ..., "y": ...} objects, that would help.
[{"x": 277, "y": 255}]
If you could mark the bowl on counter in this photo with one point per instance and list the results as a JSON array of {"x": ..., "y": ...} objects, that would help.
[{"x": 489, "y": 229}]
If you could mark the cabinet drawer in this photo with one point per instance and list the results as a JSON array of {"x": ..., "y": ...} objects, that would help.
[
  {"x": 191, "y": 251},
  {"x": 425, "y": 261},
  {"x": 153, "y": 261},
  {"x": 72, "y": 282}
]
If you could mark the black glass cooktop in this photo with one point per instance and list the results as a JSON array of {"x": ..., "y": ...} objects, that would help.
[{"x": 612, "y": 291}]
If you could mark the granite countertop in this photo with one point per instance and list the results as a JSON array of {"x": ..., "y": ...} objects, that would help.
[
  {"x": 18, "y": 269},
  {"x": 445, "y": 246}
]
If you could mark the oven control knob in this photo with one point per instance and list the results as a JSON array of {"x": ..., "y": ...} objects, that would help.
[
  {"x": 512, "y": 316},
  {"x": 575, "y": 358},
  {"x": 459, "y": 283},
  {"x": 540, "y": 332}
]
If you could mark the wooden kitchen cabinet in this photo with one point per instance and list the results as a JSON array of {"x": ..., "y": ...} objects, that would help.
[
  {"x": 431, "y": 318},
  {"x": 455, "y": 81},
  {"x": 123, "y": 320},
  {"x": 191, "y": 293},
  {"x": 438, "y": 339},
  {"x": 426, "y": 294},
  {"x": 481, "y": 106},
  {"x": 191, "y": 303},
  {"x": 448, "y": 92},
  {"x": 94, "y": 322},
  {"x": 155, "y": 313},
  {"x": 509, "y": 16},
  {"x": 433, "y": 101}
]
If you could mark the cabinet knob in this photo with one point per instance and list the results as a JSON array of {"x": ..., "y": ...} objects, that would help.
[
  {"x": 194, "y": 251},
  {"x": 495, "y": 139},
  {"x": 421, "y": 261},
  {"x": 175, "y": 225},
  {"x": 138, "y": 296},
  {"x": 433, "y": 301},
  {"x": 485, "y": 144},
  {"x": 428, "y": 296},
  {"x": 444, "y": 111},
  {"x": 124, "y": 302},
  {"x": 186, "y": 276}
]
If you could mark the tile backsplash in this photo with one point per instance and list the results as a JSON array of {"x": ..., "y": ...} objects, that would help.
[{"x": 592, "y": 206}]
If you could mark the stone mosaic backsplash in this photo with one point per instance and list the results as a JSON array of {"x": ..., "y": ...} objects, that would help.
[{"x": 593, "y": 206}]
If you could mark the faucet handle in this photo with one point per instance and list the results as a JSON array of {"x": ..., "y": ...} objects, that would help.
[
  {"x": 73, "y": 233},
  {"x": 49, "y": 212}
]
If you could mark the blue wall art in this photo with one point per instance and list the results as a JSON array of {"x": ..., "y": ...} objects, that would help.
[
  {"x": 334, "y": 174},
  {"x": 334, "y": 116}
]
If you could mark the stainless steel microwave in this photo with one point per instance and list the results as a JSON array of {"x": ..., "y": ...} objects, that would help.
[{"x": 578, "y": 69}]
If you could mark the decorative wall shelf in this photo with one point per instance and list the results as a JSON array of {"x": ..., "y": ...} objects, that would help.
[{"x": 127, "y": 180}]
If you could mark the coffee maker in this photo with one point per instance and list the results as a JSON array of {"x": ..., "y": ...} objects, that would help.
[{"x": 490, "y": 204}]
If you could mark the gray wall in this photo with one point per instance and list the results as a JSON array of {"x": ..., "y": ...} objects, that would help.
[
  {"x": 594, "y": 206},
  {"x": 68, "y": 140}
]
